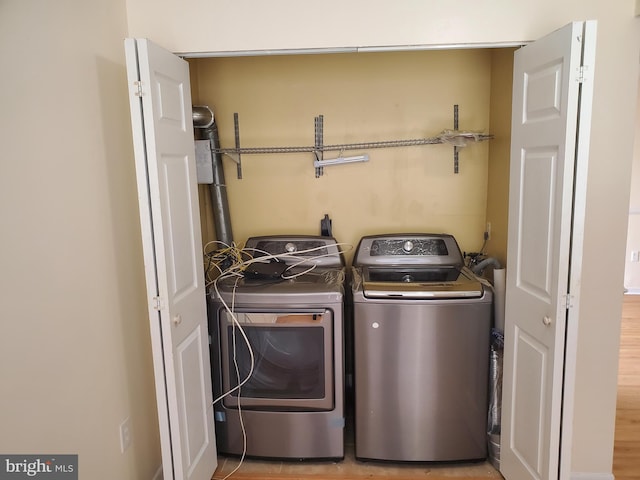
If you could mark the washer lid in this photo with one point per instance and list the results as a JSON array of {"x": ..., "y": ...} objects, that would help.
[{"x": 420, "y": 283}]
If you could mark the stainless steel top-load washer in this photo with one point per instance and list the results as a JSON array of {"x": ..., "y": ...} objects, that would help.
[
  {"x": 289, "y": 309},
  {"x": 422, "y": 325}
]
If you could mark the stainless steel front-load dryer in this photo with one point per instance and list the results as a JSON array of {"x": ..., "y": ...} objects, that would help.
[
  {"x": 421, "y": 332},
  {"x": 291, "y": 314}
]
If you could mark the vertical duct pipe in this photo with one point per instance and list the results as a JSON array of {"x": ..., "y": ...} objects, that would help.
[{"x": 206, "y": 129}]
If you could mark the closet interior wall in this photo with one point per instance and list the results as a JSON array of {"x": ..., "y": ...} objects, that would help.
[{"x": 363, "y": 97}]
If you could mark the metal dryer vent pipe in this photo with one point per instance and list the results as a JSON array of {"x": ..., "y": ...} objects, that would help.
[{"x": 205, "y": 127}]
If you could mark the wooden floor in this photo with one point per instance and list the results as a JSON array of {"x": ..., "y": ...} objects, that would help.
[
  {"x": 626, "y": 458},
  {"x": 626, "y": 453},
  {"x": 350, "y": 469}
]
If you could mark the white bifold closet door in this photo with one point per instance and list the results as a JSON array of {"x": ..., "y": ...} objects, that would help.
[
  {"x": 552, "y": 94},
  {"x": 160, "y": 100}
]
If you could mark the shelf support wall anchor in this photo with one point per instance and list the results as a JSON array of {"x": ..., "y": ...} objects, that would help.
[
  {"x": 236, "y": 126},
  {"x": 455, "y": 149},
  {"x": 318, "y": 144}
]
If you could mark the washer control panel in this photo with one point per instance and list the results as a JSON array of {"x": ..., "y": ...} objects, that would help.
[{"x": 410, "y": 249}]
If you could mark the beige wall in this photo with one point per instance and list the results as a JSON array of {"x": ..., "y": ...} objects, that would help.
[
  {"x": 363, "y": 98},
  {"x": 196, "y": 26},
  {"x": 499, "y": 152},
  {"x": 74, "y": 348}
]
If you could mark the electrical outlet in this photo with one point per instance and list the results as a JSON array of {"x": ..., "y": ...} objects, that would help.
[
  {"x": 488, "y": 230},
  {"x": 125, "y": 434},
  {"x": 635, "y": 256}
]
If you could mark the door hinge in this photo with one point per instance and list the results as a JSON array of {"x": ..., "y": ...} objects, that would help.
[
  {"x": 138, "y": 88},
  {"x": 156, "y": 304},
  {"x": 582, "y": 73},
  {"x": 567, "y": 300}
]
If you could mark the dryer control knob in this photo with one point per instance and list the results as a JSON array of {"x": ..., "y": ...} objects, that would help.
[
  {"x": 290, "y": 247},
  {"x": 407, "y": 246}
]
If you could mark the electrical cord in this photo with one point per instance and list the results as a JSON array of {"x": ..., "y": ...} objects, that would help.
[
  {"x": 223, "y": 259},
  {"x": 235, "y": 323},
  {"x": 475, "y": 257},
  {"x": 216, "y": 258},
  {"x": 239, "y": 386}
]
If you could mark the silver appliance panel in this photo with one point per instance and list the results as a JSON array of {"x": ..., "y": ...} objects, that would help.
[
  {"x": 318, "y": 282},
  {"x": 282, "y": 434},
  {"x": 421, "y": 379},
  {"x": 303, "y": 250},
  {"x": 408, "y": 249}
]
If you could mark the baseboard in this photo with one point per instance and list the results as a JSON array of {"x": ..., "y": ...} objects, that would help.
[
  {"x": 158, "y": 475},
  {"x": 592, "y": 476},
  {"x": 632, "y": 291}
]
